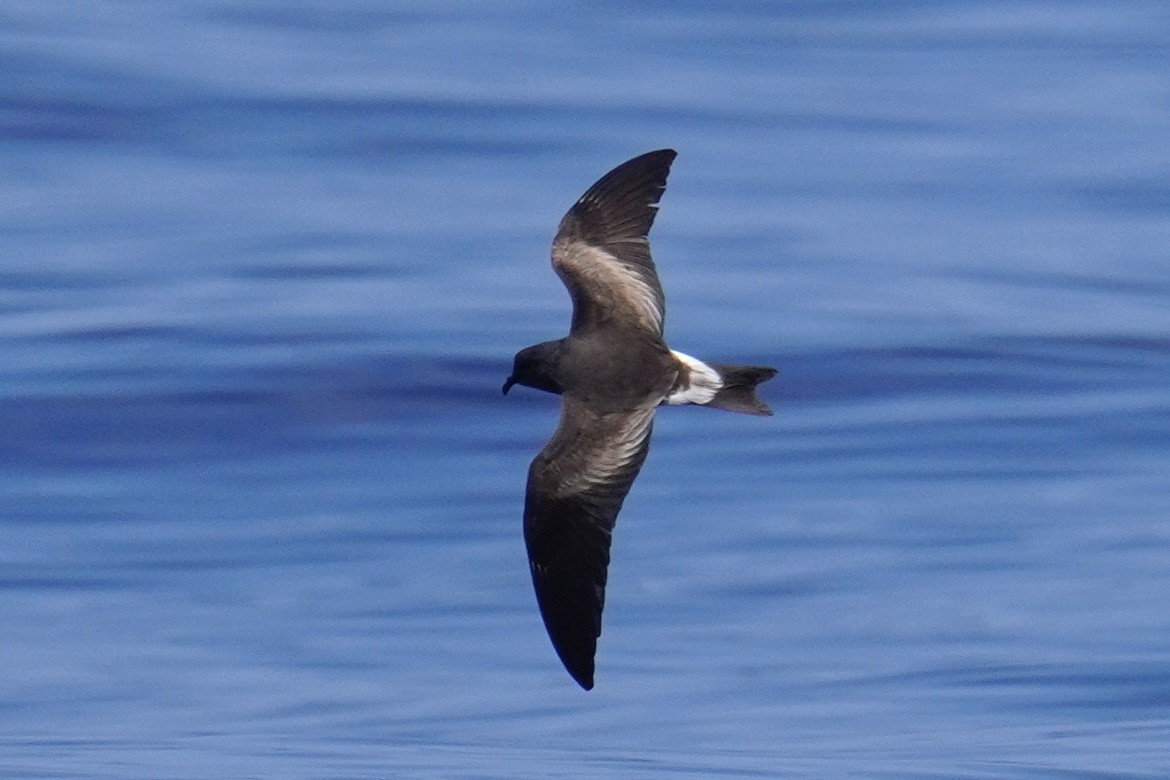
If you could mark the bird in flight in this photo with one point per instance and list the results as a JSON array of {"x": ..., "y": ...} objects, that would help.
[{"x": 612, "y": 372}]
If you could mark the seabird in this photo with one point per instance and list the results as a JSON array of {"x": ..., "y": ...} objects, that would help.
[{"x": 612, "y": 372}]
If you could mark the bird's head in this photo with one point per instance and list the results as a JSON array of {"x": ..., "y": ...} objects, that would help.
[{"x": 535, "y": 367}]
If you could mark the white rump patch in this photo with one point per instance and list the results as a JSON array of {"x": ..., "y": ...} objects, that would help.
[{"x": 705, "y": 382}]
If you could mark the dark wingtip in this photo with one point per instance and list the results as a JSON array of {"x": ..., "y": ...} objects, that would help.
[
  {"x": 658, "y": 156},
  {"x": 582, "y": 673},
  {"x": 623, "y": 202},
  {"x": 572, "y": 624},
  {"x": 578, "y": 662}
]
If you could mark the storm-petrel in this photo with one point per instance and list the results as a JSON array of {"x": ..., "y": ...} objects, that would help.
[{"x": 612, "y": 371}]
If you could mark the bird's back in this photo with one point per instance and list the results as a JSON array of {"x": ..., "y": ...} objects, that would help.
[{"x": 615, "y": 369}]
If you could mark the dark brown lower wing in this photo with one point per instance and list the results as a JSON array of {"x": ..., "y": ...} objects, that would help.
[{"x": 576, "y": 487}]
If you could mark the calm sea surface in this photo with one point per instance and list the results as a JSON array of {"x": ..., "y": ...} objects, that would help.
[{"x": 263, "y": 266}]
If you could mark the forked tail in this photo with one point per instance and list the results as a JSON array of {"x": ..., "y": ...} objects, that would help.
[{"x": 720, "y": 385}]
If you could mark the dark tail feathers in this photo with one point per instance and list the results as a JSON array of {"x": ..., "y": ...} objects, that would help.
[{"x": 738, "y": 393}]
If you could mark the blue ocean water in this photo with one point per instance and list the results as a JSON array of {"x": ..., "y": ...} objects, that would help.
[{"x": 264, "y": 268}]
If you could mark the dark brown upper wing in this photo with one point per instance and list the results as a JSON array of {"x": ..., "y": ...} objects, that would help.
[
  {"x": 601, "y": 250},
  {"x": 576, "y": 486}
]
